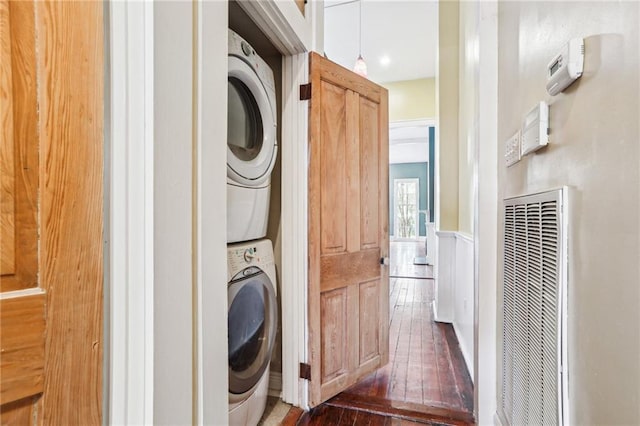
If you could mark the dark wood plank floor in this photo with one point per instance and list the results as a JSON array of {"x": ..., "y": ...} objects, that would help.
[
  {"x": 326, "y": 415},
  {"x": 426, "y": 380}
]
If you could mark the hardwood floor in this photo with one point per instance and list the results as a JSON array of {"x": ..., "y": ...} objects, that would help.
[
  {"x": 426, "y": 380},
  {"x": 425, "y": 363},
  {"x": 326, "y": 415}
]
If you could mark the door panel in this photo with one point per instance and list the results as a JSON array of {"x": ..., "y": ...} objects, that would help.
[
  {"x": 51, "y": 155},
  {"x": 334, "y": 333},
  {"x": 348, "y": 225},
  {"x": 23, "y": 323},
  {"x": 333, "y": 173},
  {"x": 19, "y": 146},
  {"x": 369, "y": 312},
  {"x": 369, "y": 173},
  {"x": 7, "y": 160}
]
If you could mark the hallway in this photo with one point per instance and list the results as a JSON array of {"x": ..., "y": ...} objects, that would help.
[{"x": 426, "y": 379}]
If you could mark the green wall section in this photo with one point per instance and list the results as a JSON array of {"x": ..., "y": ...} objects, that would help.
[{"x": 409, "y": 171}]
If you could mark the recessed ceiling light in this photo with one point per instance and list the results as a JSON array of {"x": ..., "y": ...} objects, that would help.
[{"x": 385, "y": 60}]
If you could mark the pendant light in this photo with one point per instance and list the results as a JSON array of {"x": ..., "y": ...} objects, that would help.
[{"x": 361, "y": 66}]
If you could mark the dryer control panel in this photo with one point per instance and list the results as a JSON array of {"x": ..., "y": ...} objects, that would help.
[{"x": 243, "y": 50}]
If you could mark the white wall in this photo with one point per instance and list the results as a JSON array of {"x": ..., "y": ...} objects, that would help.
[
  {"x": 173, "y": 392},
  {"x": 190, "y": 189},
  {"x": 467, "y": 114},
  {"x": 409, "y": 153},
  {"x": 212, "y": 213},
  {"x": 594, "y": 148}
]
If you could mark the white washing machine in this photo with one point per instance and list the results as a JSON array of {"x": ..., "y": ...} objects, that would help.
[
  {"x": 251, "y": 141},
  {"x": 252, "y": 325}
]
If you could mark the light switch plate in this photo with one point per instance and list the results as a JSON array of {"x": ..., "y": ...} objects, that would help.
[
  {"x": 512, "y": 149},
  {"x": 535, "y": 129}
]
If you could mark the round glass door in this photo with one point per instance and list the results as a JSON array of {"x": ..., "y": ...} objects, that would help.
[
  {"x": 252, "y": 328},
  {"x": 251, "y": 126},
  {"x": 244, "y": 124}
]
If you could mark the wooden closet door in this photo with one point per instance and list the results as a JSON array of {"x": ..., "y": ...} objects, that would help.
[
  {"x": 51, "y": 212},
  {"x": 348, "y": 228}
]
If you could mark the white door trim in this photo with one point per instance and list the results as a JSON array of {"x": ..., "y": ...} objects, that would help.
[
  {"x": 282, "y": 23},
  {"x": 485, "y": 225},
  {"x": 293, "y": 35},
  {"x": 211, "y": 27},
  {"x": 418, "y": 122},
  {"x": 294, "y": 228},
  {"x": 129, "y": 182}
]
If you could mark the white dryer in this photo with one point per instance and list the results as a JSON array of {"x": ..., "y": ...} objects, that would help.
[
  {"x": 251, "y": 141},
  {"x": 252, "y": 325}
]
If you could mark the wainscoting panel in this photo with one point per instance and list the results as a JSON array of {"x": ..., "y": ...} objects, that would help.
[
  {"x": 454, "y": 298},
  {"x": 444, "y": 273},
  {"x": 463, "y": 297}
]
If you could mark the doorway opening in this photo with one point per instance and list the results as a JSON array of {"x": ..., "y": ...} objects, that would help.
[{"x": 426, "y": 377}]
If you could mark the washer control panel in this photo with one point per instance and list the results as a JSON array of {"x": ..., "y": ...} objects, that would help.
[{"x": 246, "y": 255}]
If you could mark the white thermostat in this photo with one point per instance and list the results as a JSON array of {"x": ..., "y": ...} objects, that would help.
[
  {"x": 566, "y": 67},
  {"x": 535, "y": 129}
]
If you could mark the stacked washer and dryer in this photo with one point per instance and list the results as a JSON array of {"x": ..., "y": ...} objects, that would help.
[{"x": 251, "y": 288}]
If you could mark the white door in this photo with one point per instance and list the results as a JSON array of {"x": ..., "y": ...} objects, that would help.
[{"x": 406, "y": 199}]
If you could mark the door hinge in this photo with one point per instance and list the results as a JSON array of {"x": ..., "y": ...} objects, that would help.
[
  {"x": 305, "y": 371},
  {"x": 305, "y": 92}
]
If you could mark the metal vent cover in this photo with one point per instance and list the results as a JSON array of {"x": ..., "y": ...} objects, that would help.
[{"x": 533, "y": 380}]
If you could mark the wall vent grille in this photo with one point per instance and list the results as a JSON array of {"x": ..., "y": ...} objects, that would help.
[{"x": 533, "y": 384}]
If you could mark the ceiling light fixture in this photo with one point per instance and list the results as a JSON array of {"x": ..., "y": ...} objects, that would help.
[
  {"x": 385, "y": 60},
  {"x": 361, "y": 66}
]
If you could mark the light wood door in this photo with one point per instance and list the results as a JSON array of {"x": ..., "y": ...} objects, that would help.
[
  {"x": 51, "y": 154},
  {"x": 348, "y": 228}
]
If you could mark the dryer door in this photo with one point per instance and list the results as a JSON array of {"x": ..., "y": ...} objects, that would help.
[
  {"x": 251, "y": 126},
  {"x": 252, "y": 326}
]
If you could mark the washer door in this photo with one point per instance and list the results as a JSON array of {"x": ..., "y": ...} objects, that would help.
[
  {"x": 251, "y": 126},
  {"x": 252, "y": 325}
]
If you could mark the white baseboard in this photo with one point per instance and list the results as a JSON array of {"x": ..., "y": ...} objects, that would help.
[
  {"x": 434, "y": 305},
  {"x": 275, "y": 384}
]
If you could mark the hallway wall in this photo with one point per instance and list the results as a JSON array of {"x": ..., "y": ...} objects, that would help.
[
  {"x": 456, "y": 104},
  {"x": 467, "y": 114},
  {"x": 593, "y": 149},
  {"x": 412, "y": 99},
  {"x": 447, "y": 113}
]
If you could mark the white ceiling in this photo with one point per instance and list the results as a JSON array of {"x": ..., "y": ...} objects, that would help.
[{"x": 404, "y": 31}]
